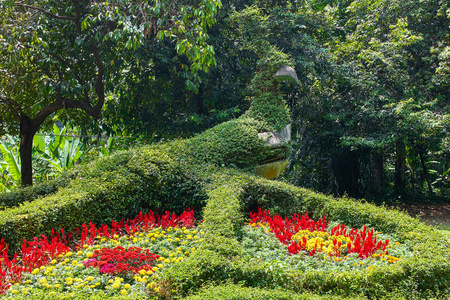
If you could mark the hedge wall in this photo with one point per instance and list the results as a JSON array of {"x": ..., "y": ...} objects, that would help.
[
  {"x": 220, "y": 260},
  {"x": 170, "y": 177},
  {"x": 112, "y": 187}
]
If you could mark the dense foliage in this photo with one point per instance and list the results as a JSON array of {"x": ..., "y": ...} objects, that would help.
[
  {"x": 370, "y": 117},
  {"x": 57, "y": 56}
]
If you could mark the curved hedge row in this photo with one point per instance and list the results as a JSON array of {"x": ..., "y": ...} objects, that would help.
[
  {"x": 165, "y": 177},
  {"x": 220, "y": 259},
  {"x": 112, "y": 187}
]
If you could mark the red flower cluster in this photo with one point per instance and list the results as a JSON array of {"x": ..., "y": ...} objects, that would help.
[
  {"x": 122, "y": 261},
  {"x": 34, "y": 255},
  {"x": 285, "y": 228},
  {"x": 42, "y": 250},
  {"x": 363, "y": 242},
  {"x": 142, "y": 222}
]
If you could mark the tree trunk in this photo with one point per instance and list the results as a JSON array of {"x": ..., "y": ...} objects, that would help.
[
  {"x": 425, "y": 172},
  {"x": 379, "y": 172},
  {"x": 346, "y": 171},
  {"x": 26, "y": 145},
  {"x": 400, "y": 165}
]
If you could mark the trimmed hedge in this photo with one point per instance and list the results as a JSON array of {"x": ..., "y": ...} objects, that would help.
[
  {"x": 221, "y": 259},
  {"x": 112, "y": 187},
  {"x": 170, "y": 177},
  {"x": 234, "y": 143},
  {"x": 237, "y": 292},
  {"x": 30, "y": 193}
]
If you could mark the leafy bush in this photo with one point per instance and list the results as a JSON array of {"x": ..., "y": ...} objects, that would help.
[
  {"x": 237, "y": 292},
  {"x": 234, "y": 143}
]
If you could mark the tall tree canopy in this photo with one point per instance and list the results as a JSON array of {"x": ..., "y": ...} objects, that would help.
[
  {"x": 386, "y": 106},
  {"x": 58, "y": 55}
]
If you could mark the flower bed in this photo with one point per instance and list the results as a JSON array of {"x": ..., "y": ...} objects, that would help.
[
  {"x": 122, "y": 259},
  {"x": 302, "y": 243},
  {"x": 129, "y": 257}
]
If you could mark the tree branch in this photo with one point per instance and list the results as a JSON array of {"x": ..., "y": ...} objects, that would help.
[
  {"x": 60, "y": 59},
  {"x": 44, "y": 11},
  {"x": 63, "y": 103},
  {"x": 14, "y": 106}
]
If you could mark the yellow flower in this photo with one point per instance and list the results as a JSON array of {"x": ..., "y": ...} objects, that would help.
[
  {"x": 154, "y": 269},
  {"x": 79, "y": 252},
  {"x": 142, "y": 272},
  {"x": 85, "y": 246},
  {"x": 149, "y": 272},
  {"x": 115, "y": 236},
  {"x": 123, "y": 292},
  {"x": 90, "y": 278},
  {"x": 15, "y": 292},
  {"x": 35, "y": 271},
  {"x": 116, "y": 285},
  {"x": 69, "y": 254},
  {"x": 42, "y": 281},
  {"x": 53, "y": 261},
  {"x": 89, "y": 254},
  {"x": 127, "y": 286}
]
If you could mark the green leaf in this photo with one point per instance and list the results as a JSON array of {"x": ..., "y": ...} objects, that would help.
[{"x": 9, "y": 157}]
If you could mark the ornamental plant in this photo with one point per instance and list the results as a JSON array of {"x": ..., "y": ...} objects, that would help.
[
  {"x": 43, "y": 260},
  {"x": 301, "y": 233},
  {"x": 121, "y": 261}
]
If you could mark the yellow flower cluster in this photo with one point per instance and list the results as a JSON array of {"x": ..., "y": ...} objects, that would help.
[
  {"x": 68, "y": 272},
  {"x": 385, "y": 257},
  {"x": 321, "y": 239}
]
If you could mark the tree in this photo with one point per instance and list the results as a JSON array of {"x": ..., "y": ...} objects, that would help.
[
  {"x": 69, "y": 55},
  {"x": 385, "y": 106}
]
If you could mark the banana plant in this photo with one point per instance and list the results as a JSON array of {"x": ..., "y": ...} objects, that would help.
[
  {"x": 9, "y": 164},
  {"x": 60, "y": 152}
]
